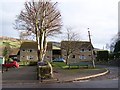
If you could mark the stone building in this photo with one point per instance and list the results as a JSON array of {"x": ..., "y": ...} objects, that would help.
[
  {"x": 28, "y": 51},
  {"x": 77, "y": 51}
]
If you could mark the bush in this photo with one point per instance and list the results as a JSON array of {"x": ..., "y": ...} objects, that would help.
[
  {"x": 32, "y": 63},
  {"x": 114, "y": 56},
  {"x": 111, "y": 56},
  {"x": 102, "y": 55},
  {"x": 44, "y": 71},
  {"x": 23, "y": 63}
]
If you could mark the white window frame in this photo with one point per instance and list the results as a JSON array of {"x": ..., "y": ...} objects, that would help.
[
  {"x": 30, "y": 57},
  {"x": 82, "y": 57},
  {"x": 82, "y": 50},
  {"x": 30, "y": 50},
  {"x": 22, "y": 56}
]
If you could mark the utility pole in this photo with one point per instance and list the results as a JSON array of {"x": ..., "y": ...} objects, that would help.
[
  {"x": 89, "y": 35},
  {"x": 92, "y": 57}
]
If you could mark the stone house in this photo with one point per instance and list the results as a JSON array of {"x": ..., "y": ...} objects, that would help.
[
  {"x": 77, "y": 51},
  {"x": 28, "y": 51}
]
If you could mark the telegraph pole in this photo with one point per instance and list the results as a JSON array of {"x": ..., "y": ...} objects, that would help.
[
  {"x": 89, "y": 35},
  {"x": 92, "y": 57}
]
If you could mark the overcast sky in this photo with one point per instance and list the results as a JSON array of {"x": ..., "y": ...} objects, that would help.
[{"x": 101, "y": 16}]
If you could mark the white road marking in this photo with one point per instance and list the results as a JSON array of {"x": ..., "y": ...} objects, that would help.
[
  {"x": 82, "y": 81},
  {"x": 115, "y": 79}
]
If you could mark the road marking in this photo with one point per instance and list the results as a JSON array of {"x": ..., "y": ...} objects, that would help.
[
  {"x": 115, "y": 79},
  {"x": 81, "y": 81}
]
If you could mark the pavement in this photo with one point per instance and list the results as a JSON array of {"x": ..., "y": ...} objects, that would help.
[{"x": 28, "y": 74}]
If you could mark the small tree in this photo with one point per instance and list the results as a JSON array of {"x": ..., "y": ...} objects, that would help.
[
  {"x": 6, "y": 51},
  {"x": 70, "y": 36},
  {"x": 42, "y": 19}
]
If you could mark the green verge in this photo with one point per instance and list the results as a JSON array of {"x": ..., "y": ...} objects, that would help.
[{"x": 61, "y": 67}]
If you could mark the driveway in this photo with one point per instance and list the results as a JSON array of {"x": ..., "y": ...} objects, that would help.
[{"x": 22, "y": 73}]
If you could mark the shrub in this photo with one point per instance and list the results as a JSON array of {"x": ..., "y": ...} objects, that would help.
[
  {"x": 23, "y": 63},
  {"x": 102, "y": 55},
  {"x": 44, "y": 71},
  {"x": 111, "y": 56},
  {"x": 32, "y": 63}
]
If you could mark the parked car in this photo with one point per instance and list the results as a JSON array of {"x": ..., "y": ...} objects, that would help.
[
  {"x": 59, "y": 60},
  {"x": 14, "y": 57},
  {"x": 11, "y": 64}
]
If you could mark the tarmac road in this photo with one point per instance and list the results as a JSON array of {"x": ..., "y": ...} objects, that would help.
[
  {"x": 79, "y": 84},
  {"x": 114, "y": 73}
]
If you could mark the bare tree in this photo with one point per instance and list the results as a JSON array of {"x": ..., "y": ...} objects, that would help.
[
  {"x": 114, "y": 40},
  {"x": 68, "y": 44},
  {"x": 23, "y": 36},
  {"x": 42, "y": 19},
  {"x": 116, "y": 45},
  {"x": 71, "y": 35}
]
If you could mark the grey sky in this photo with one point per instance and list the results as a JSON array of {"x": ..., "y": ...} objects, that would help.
[{"x": 101, "y": 16}]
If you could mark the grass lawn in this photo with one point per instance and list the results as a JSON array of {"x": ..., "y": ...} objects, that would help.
[
  {"x": 58, "y": 64},
  {"x": 75, "y": 70},
  {"x": 62, "y": 65},
  {"x": 15, "y": 44}
]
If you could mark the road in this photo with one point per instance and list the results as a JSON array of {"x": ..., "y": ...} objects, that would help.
[
  {"x": 79, "y": 84},
  {"x": 114, "y": 73},
  {"x": 108, "y": 81}
]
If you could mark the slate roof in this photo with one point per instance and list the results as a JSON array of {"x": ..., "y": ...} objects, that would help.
[
  {"x": 33, "y": 45},
  {"x": 14, "y": 51},
  {"x": 28, "y": 45},
  {"x": 77, "y": 44}
]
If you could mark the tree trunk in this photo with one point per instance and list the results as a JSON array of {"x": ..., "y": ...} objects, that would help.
[
  {"x": 45, "y": 46},
  {"x": 42, "y": 45},
  {"x": 67, "y": 59},
  {"x": 38, "y": 45}
]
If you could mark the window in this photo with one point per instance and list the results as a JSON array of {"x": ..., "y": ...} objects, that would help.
[
  {"x": 22, "y": 56},
  {"x": 89, "y": 55},
  {"x": 82, "y": 57},
  {"x": 73, "y": 56},
  {"x": 30, "y": 50},
  {"x": 30, "y": 57},
  {"x": 82, "y": 50},
  {"x": 89, "y": 49},
  {"x": 23, "y": 50}
]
